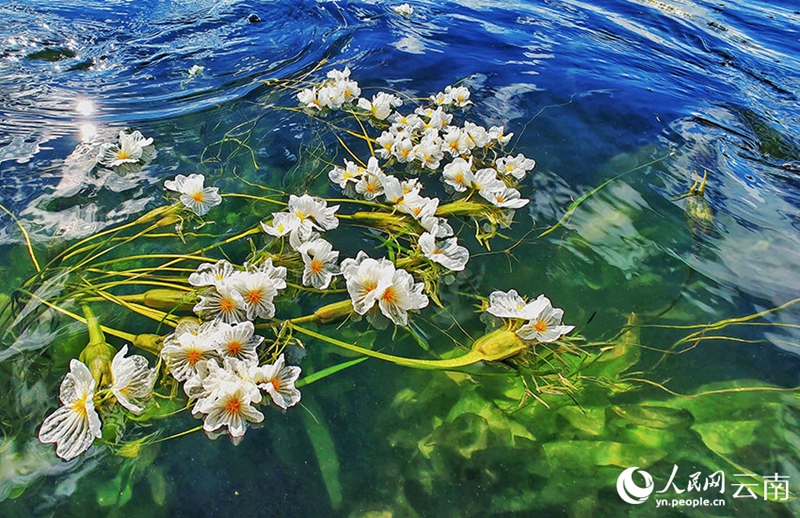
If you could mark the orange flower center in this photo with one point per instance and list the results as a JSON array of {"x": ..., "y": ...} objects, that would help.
[
  {"x": 389, "y": 295},
  {"x": 198, "y": 196},
  {"x": 233, "y": 406},
  {"x": 254, "y": 296},
  {"x": 226, "y": 305},
  {"x": 540, "y": 326},
  {"x": 316, "y": 266},
  {"x": 193, "y": 356},
  {"x": 122, "y": 154},
  {"x": 234, "y": 347},
  {"x": 369, "y": 286}
]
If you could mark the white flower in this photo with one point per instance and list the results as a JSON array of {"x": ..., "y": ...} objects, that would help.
[
  {"x": 282, "y": 223},
  {"x": 212, "y": 274},
  {"x": 386, "y": 144},
  {"x": 129, "y": 150},
  {"x": 418, "y": 206},
  {"x": 501, "y": 196},
  {"x": 392, "y": 189},
  {"x": 278, "y": 381},
  {"x": 404, "y": 10},
  {"x": 456, "y": 141},
  {"x": 319, "y": 259},
  {"x": 438, "y": 227},
  {"x": 429, "y": 152},
  {"x": 339, "y": 75},
  {"x": 448, "y": 253},
  {"x": 195, "y": 70},
  {"x": 370, "y": 184},
  {"x": 197, "y": 198},
  {"x": 508, "y": 305},
  {"x": 486, "y": 179},
  {"x": 459, "y": 96},
  {"x": 187, "y": 347},
  {"x": 75, "y": 425},
  {"x": 403, "y": 150},
  {"x": 230, "y": 406},
  {"x": 478, "y": 135},
  {"x": 366, "y": 278},
  {"x": 401, "y": 296},
  {"x": 458, "y": 174},
  {"x": 238, "y": 341},
  {"x": 497, "y": 133},
  {"x": 213, "y": 374},
  {"x": 224, "y": 303},
  {"x": 381, "y": 106},
  {"x": 313, "y": 212},
  {"x": 257, "y": 290},
  {"x": 132, "y": 380},
  {"x": 342, "y": 176},
  {"x": 405, "y": 123},
  {"x": 309, "y": 97},
  {"x": 516, "y": 166},
  {"x": 545, "y": 325}
]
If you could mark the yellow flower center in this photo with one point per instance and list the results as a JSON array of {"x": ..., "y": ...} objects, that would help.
[
  {"x": 122, "y": 154},
  {"x": 540, "y": 326},
  {"x": 198, "y": 197},
  {"x": 79, "y": 406}
]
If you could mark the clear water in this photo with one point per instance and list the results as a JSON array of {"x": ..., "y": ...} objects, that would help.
[{"x": 591, "y": 89}]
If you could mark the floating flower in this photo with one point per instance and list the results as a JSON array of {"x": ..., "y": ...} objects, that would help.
[
  {"x": 401, "y": 296},
  {"x": 508, "y": 305},
  {"x": 187, "y": 347},
  {"x": 230, "y": 405},
  {"x": 458, "y": 174},
  {"x": 381, "y": 105},
  {"x": 257, "y": 290},
  {"x": 129, "y": 150},
  {"x": 366, "y": 278},
  {"x": 238, "y": 341},
  {"x": 319, "y": 259},
  {"x": 404, "y": 10},
  {"x": 132, "y": 380},
  {"x": 545, "y": 325},
  {"x": 282, "y": 223},
  {"x": 313, "y": 212},
  {"x": 516, "y": 166},
  {"x": 75, "y": 425},
  {"x": 499, "y": 195},
  {"x": 212, "y": 274},
  {"x": 278, "y": 381},
  {"x": 224, "y": 303},
  {"x": 448, "y": 252},
  {"x": 197, "y": 198}
]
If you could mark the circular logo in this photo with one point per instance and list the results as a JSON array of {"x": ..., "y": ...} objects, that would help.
[{"x": 629, "y": 491}]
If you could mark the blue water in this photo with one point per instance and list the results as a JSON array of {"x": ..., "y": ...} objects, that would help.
[{"x": 591, "y": 89}]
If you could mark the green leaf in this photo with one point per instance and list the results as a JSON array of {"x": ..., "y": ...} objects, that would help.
[
  {"x": 726, "y": 437},
  {"x": 325, "y": 450},
  {"x": 324, "y": 373}
]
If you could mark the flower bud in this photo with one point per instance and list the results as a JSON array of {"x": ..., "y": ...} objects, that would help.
[{"x": 499, "y": 345}]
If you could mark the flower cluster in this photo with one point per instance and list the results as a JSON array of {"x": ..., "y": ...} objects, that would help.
[
  {"x": 219, "y": 365},
  {"x": 543, "y": 321},
  {"x": 76, "y": 424},
  {"x": 231, "y": 295},
  {"x": 377, "y": 281},
  {"x": 338, "y": 91},
  {"x": 130, "y": 149}
]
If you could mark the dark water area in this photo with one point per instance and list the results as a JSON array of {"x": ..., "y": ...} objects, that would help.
[{"x": 649, "y": 95}]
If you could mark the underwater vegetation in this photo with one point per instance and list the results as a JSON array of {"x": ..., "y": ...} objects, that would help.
[{"x": 216, "y": 304}]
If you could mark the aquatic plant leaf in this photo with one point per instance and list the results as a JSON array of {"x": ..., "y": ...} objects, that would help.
[
  {"x": 584, "y": 455},
  {"x": 324, "y": 373},
  {"x": 466, "y": 434},
  {"x": 158, "y": 485},
  {"x": 725, "y": 437},
  {"x": 325, "y": 451},
  {"x": 586, "y": 422},
  {"x": 650, "y": 416}
]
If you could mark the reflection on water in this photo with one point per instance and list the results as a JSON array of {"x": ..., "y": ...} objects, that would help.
[{"x": 644, "y": 95}]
